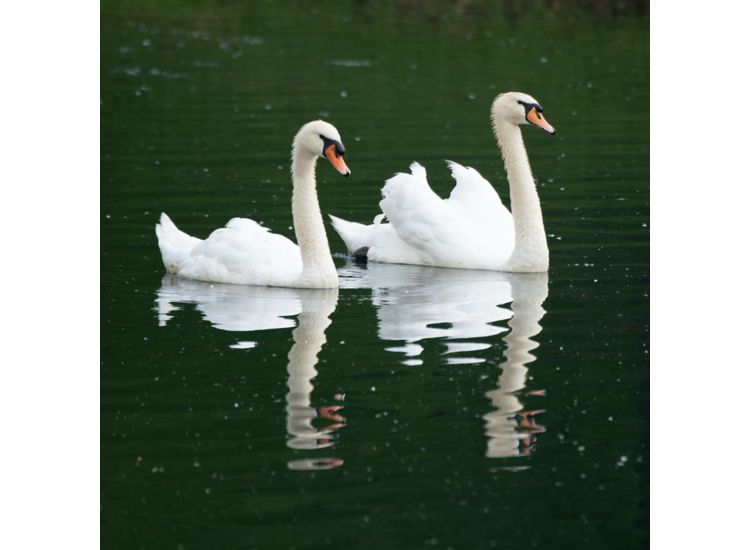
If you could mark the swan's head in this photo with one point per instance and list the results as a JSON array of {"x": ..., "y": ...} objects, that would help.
[
  {"x": 519, "y": 108},
  {"x": 321, "y": 139}
]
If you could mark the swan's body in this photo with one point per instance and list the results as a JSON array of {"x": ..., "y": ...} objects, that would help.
[
  {"x": 244, "y": 252},
  {"x": 472, "y": 229}
]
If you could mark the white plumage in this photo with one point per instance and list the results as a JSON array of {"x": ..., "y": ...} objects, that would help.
[
  {"x": 242, "y": 252},
  {"x": 471, "y": 229},
  {"x": 245, "y": 252},
  {"x": 460, "y": 231}
]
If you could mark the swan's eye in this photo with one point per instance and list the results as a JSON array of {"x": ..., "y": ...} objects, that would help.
[
  {"x": 339, "y": 148},
  {"x": 526, "y": 106}
]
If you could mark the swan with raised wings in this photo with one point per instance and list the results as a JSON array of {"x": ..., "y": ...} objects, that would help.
[
  {"x": 244, "y": 252},
  {"x": 472, "y": 229}
]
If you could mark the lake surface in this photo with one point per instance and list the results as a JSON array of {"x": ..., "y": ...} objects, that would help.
[{"x": 414, "y": 407}]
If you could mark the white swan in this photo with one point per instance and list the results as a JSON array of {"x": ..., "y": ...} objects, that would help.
[
  {"x": 245, "y": 252},
  {"x": 471, "y": 229}
]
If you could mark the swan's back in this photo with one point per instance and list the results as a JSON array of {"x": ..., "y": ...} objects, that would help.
[
  {"x": 470, "y": 228},
  {"x": 242, "y": 252}
]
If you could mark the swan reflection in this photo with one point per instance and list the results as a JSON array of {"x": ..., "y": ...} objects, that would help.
[
  {"x": 511, "y": 430},
  {"x": 243, "y": 308},
  {"x": 415, "y": 303}
]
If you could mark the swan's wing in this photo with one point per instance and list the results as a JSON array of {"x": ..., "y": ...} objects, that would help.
[
  {"x": 476, "y": 199},
  {"x": 442, "y": 234},
  {"x": 417, "y": 213},
  {"x": 421, "y": 229},
  {"x": 471, "y": 229},
  {"x": 243, "y": 252}
]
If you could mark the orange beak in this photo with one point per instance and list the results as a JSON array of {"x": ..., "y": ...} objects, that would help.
[
  {"x": 337, "y": 160},
  {"x": 536, "y": 118}
]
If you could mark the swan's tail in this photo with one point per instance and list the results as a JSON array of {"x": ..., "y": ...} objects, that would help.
[
  {"x": 175, "y": 245},
  {"x": 355, "y": 235}
]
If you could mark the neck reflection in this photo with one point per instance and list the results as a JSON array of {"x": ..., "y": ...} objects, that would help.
[
  {"x": 511, "y": 429},
  {"x": 416, "y": 303},
  {"x": 240, "y": 308},
  {"x": 309, "y": 337}
]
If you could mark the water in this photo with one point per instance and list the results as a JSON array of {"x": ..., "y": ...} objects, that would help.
[{"x": 414, "y": 407}]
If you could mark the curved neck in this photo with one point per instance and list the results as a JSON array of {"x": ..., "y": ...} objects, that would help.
[
  {"x": 309, "y": 337},
  {"x": 503, "y": 429},
  {"x": 530, "y": 251},
  {"x": 308, "y": 220}
]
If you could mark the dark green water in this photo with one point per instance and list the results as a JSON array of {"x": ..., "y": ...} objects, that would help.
[{"x": 445, "y": 409}]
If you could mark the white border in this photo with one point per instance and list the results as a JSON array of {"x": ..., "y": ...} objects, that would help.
[
  {"x": 699, "y": 291},
  {"x": 49, "y": 393}
]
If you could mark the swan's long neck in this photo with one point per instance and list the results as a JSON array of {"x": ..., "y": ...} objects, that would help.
[
  {"x": 530, "y": 252},
  {"x": 317, "y": 264}
]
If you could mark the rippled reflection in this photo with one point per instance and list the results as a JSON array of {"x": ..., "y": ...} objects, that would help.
[
  {"x": 250, "y": 308},
  {"x": 414, "y": 303},
  {"x": 511, "y": 430},
  {"x": 309, "y": 337}
]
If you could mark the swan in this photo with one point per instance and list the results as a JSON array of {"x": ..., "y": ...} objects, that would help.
[
  {"x": 471, "y": 229},
  {"x": 244, "y": 252}
]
